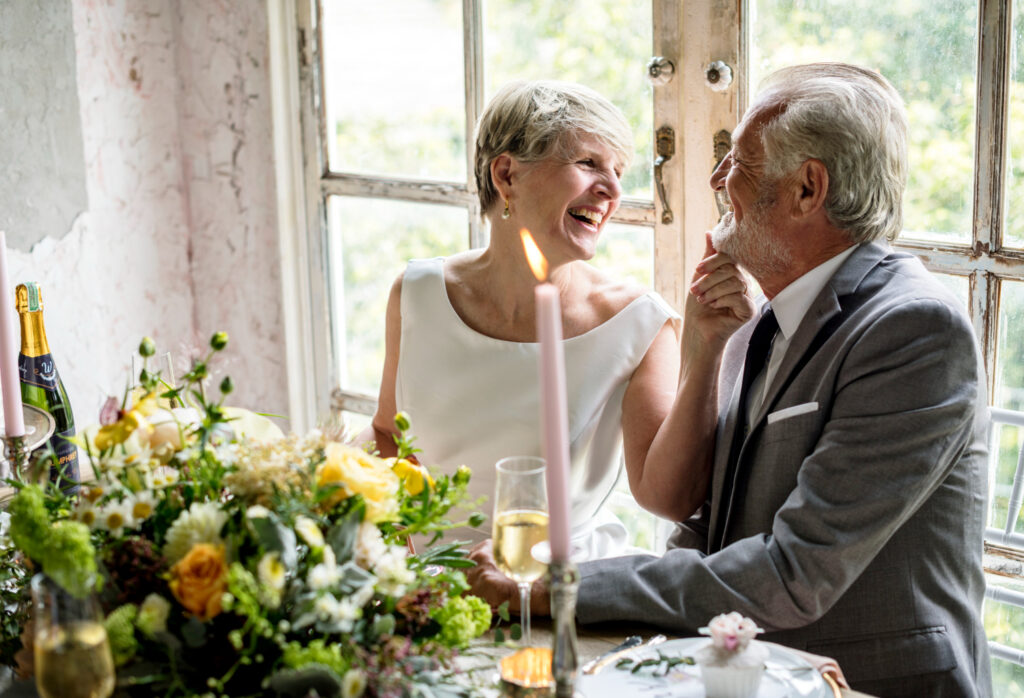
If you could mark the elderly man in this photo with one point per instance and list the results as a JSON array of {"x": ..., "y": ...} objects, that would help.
[{"x": 834, "y": 444}]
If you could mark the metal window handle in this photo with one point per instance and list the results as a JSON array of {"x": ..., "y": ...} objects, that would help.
[{"x": 665, "y": 146}]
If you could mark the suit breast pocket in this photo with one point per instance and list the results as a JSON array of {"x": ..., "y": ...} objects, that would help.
[{"x": 795, "y": 422}]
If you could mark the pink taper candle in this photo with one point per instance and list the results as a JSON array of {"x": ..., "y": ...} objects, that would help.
[
  {"x": 554, "y": 413},
  {"x": 14, "y": 418}
]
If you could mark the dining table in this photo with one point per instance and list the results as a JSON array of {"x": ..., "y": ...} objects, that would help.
[{"x": 593, "y": 641}]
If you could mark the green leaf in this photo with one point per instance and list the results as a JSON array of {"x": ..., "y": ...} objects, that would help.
[
  {"x": 312, "y": 679},
  {"x": 342, "y": 535},
  {"x": 275, "y": 537},
  {"x": 383, "y": 625},
  {"x": 516, "y": 631},
  {"x": 353, "y": 578}
]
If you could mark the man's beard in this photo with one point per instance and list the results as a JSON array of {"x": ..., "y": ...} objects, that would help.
[{"x": 750, "y": 243}]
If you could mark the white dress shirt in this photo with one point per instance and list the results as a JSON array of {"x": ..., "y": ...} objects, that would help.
[{"x": 790, "y": 305}]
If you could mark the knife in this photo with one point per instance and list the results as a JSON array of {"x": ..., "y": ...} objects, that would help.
[{"x": 631, "y": 643}]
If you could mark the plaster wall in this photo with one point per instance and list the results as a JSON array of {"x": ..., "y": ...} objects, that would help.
[{"x": 179, "y": 236}]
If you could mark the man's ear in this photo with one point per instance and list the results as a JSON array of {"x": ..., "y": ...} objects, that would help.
[
  {"x": 502, "y": 172},
  {"x": 811, "y": 187}
]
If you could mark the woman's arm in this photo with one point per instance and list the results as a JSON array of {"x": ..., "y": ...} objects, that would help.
[
  {"x": 669, "y": 435},
  {"x": 382, "y": 428}
]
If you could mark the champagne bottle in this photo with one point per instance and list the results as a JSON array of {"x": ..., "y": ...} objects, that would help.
[{"x": 42, "y": 387}]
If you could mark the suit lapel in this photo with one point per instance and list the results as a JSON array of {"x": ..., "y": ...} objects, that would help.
[{"x": 808, "y": 337}]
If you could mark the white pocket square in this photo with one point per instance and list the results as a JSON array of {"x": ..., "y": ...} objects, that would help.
[{"x": 792, "y": 412}]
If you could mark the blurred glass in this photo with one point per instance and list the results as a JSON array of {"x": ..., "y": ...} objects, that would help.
[
  {"x": 371, "y": 242},
  {"x": 960, "y": 286},
  {"x": 603, "y": 44},
  {"x": 393, "y": 88},
  {"x": 1004, "y": 447},
  {"x": 1014, "y": 231},
  {"x": 1009, "y": 392},
  {"x": 1005, "y": 624},
  {"x": 627, "y": 252},
  {"x": 928, "y": 50}
]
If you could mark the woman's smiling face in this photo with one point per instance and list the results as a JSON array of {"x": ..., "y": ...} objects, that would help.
[{"x": 566, "y": 202}]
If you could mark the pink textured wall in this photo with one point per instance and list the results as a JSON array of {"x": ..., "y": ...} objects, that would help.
[{"x": 179, "y": 239}]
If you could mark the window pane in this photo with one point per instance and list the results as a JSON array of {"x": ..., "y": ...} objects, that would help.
[
  {"x": 603, "y": 44},
  {"x": 627, "y": 252},
  {"x": 1009, "y": 392},
  {"x": 928, "y": 51},
  {"x": 960, "y": 286},
  {"x": 1004, "y": 624},
  {"x": 1014, "y": 235},
  {"x": 393, "y": 84},
  {"x": 371, "y": 241}
]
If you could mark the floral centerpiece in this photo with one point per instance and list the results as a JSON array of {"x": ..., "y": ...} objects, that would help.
[{"x": 231, "y": 559}]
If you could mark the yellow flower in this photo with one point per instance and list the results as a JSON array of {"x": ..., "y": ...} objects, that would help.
[
  {"x": 412, "y": 474},
  {"x": 135, "y": 418},
  {"x": 199, "y": 579},
  {"x": 357, "y": 472}
]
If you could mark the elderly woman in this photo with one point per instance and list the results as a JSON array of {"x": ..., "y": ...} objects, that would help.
[{"x": 461, "y": 355}]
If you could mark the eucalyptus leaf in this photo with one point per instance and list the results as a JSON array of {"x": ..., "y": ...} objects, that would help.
[
  {"x": 302, "y": 682},
  {"x": 275, "y": 537},
  {"x": 342, "y": 535},
  {"x": 383, "y": 625},
  {"x": 353, "y": 578}
]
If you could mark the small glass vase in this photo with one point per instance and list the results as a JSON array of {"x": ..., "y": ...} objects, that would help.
[{"x": 72, "y": 653}]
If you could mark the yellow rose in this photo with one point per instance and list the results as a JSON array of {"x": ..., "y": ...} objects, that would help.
[
  {"x": 199, "y": 579},
  {"x": 357, "y": 472},
  {"x": 413, "y": 474}
]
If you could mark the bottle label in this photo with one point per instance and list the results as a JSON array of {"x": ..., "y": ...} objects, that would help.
[
  {"x": 67, "y": 456},
  {"x": 39, "y": 370}
]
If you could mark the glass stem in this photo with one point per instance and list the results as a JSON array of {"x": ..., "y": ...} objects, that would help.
[{"x": 524, "y": 611}]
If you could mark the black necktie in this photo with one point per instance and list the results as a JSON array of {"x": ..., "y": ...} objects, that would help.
[{"x": 758, "y": 348}]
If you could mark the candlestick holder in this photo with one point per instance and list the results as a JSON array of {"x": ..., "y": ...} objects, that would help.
[
  {"x": 564, "y": 583},
  {"x": 39, "y": 427}
]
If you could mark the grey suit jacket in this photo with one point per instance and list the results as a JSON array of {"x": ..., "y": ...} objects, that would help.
[{"x": 854, "y": 529}]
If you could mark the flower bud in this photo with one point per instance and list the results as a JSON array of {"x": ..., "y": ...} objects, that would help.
[
  {"x": 462, "y": 475},
  {"x": 219, "y": 341},
  {"x": 226, "y": 386},
  {"x": 147, "y": 347},
  {"x": 402, "y": 421},
  {"x": 477, "y": 519}
]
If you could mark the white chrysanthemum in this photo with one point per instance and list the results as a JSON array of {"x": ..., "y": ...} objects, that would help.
[
  {"x": 392, "y": 573},
  {"x": 353, "y": 684},
  {"x": 115, "y": 516},
  {"x": 162, "y": 476},
  {"x": 153, "y": 613},
  {"x": 143, "y": 504},
  {"x": 326, "y": 574},
  {"x": 370, "y": 545},
  {"x": 271, "y": 571},
  {"x": 309, "y": 531},
  {"x": 201, "y": 523}
]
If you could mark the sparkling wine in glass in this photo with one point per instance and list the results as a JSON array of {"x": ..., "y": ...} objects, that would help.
[
  {"x": 520, "y": 522},
  {"x": 72, "y": 653}
]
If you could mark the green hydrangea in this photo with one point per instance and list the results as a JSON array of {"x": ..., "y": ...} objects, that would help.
[
  {"x": 121, "y": 633},
  {"x": 63, "y": 550},
  {"x": 462, "y": 619},
  {"x": 297, "y": 655}
]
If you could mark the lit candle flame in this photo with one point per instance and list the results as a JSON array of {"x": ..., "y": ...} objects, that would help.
[{"x": 534, "y": 257}]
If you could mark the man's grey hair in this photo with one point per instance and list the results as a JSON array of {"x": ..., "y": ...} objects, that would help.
[
  {"x": 533, "y": 121},
  {"x": 852, "y": 120}
]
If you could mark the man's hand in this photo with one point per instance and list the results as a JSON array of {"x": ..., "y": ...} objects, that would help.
[
  {"x": 720, "y": 301},
  {"x": 495, "y": 588}
]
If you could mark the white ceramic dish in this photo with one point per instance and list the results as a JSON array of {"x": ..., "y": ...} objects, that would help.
[{"x": 787, "y": 676}]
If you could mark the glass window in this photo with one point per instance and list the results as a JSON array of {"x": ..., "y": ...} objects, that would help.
[
  {"x": 1014, "y": 229},
  {"x": 1004, "y": 623},
  {"x": 1009, "y": 393},
  {"x": 929, "y": 52},
  {"x": 372, "y": 241},
  {"x": 398, "y": 106},
  {"x": 626, "y": 252},
  {"x": 603, "y": 44}
]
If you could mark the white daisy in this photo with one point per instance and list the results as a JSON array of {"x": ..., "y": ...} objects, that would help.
[{"x": 115, "y": 516}]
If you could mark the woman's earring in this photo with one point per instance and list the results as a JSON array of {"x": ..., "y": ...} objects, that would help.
[{"x": 506, "y": 214}]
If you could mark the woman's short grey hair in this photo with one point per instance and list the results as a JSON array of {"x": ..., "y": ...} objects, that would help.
[
  {"x": 533, "y": 121},
  {"x": 852, "y": 120}
]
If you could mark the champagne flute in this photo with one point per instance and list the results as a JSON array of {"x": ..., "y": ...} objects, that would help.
[
  {"x": 520, "y": 522},
  {"x": 72, "y": 653}
]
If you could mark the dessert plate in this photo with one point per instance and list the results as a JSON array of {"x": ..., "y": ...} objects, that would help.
[{"x": 787, "y": 675}]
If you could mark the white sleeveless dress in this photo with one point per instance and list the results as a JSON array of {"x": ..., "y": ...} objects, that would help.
[{"x": 474, "y": 399}]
